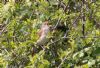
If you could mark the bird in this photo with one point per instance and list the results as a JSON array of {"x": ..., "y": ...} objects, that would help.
[{"x": 43, "y": 32}]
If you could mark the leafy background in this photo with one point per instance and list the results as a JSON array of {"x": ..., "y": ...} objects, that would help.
[{"x": 75, "y": 42}]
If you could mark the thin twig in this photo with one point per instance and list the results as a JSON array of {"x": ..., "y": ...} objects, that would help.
[
  {"x": 64, "y": 60},
  {"x": 5, "y": 26},
  {"x": 70, "y": 37},
  {"x": 57, "y": 23},
  {"x": 76, "y": 19}
]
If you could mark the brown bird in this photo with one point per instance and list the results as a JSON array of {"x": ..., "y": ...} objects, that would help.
[{"x": 44, "y": 30}]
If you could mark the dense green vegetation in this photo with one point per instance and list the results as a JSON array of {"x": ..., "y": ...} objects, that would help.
[{"x": 74, "y": 43}]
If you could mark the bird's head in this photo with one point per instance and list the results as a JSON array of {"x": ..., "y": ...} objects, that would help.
[{"x": 46, "y": 23}]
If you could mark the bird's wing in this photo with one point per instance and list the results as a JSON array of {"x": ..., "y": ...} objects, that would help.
[{"x": 40, "y": 32}]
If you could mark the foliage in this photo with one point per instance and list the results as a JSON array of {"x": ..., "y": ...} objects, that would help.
[{"x": 75, "y": 44}]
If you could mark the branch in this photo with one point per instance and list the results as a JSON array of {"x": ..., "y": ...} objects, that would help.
[
  {"x": 74, "y": 23},
  {"x": 70, "y": 37},
  {"x": 64, "y": 59},
  {"x": 6, "y": 23},
  {"x": 57, "y": 23}
]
